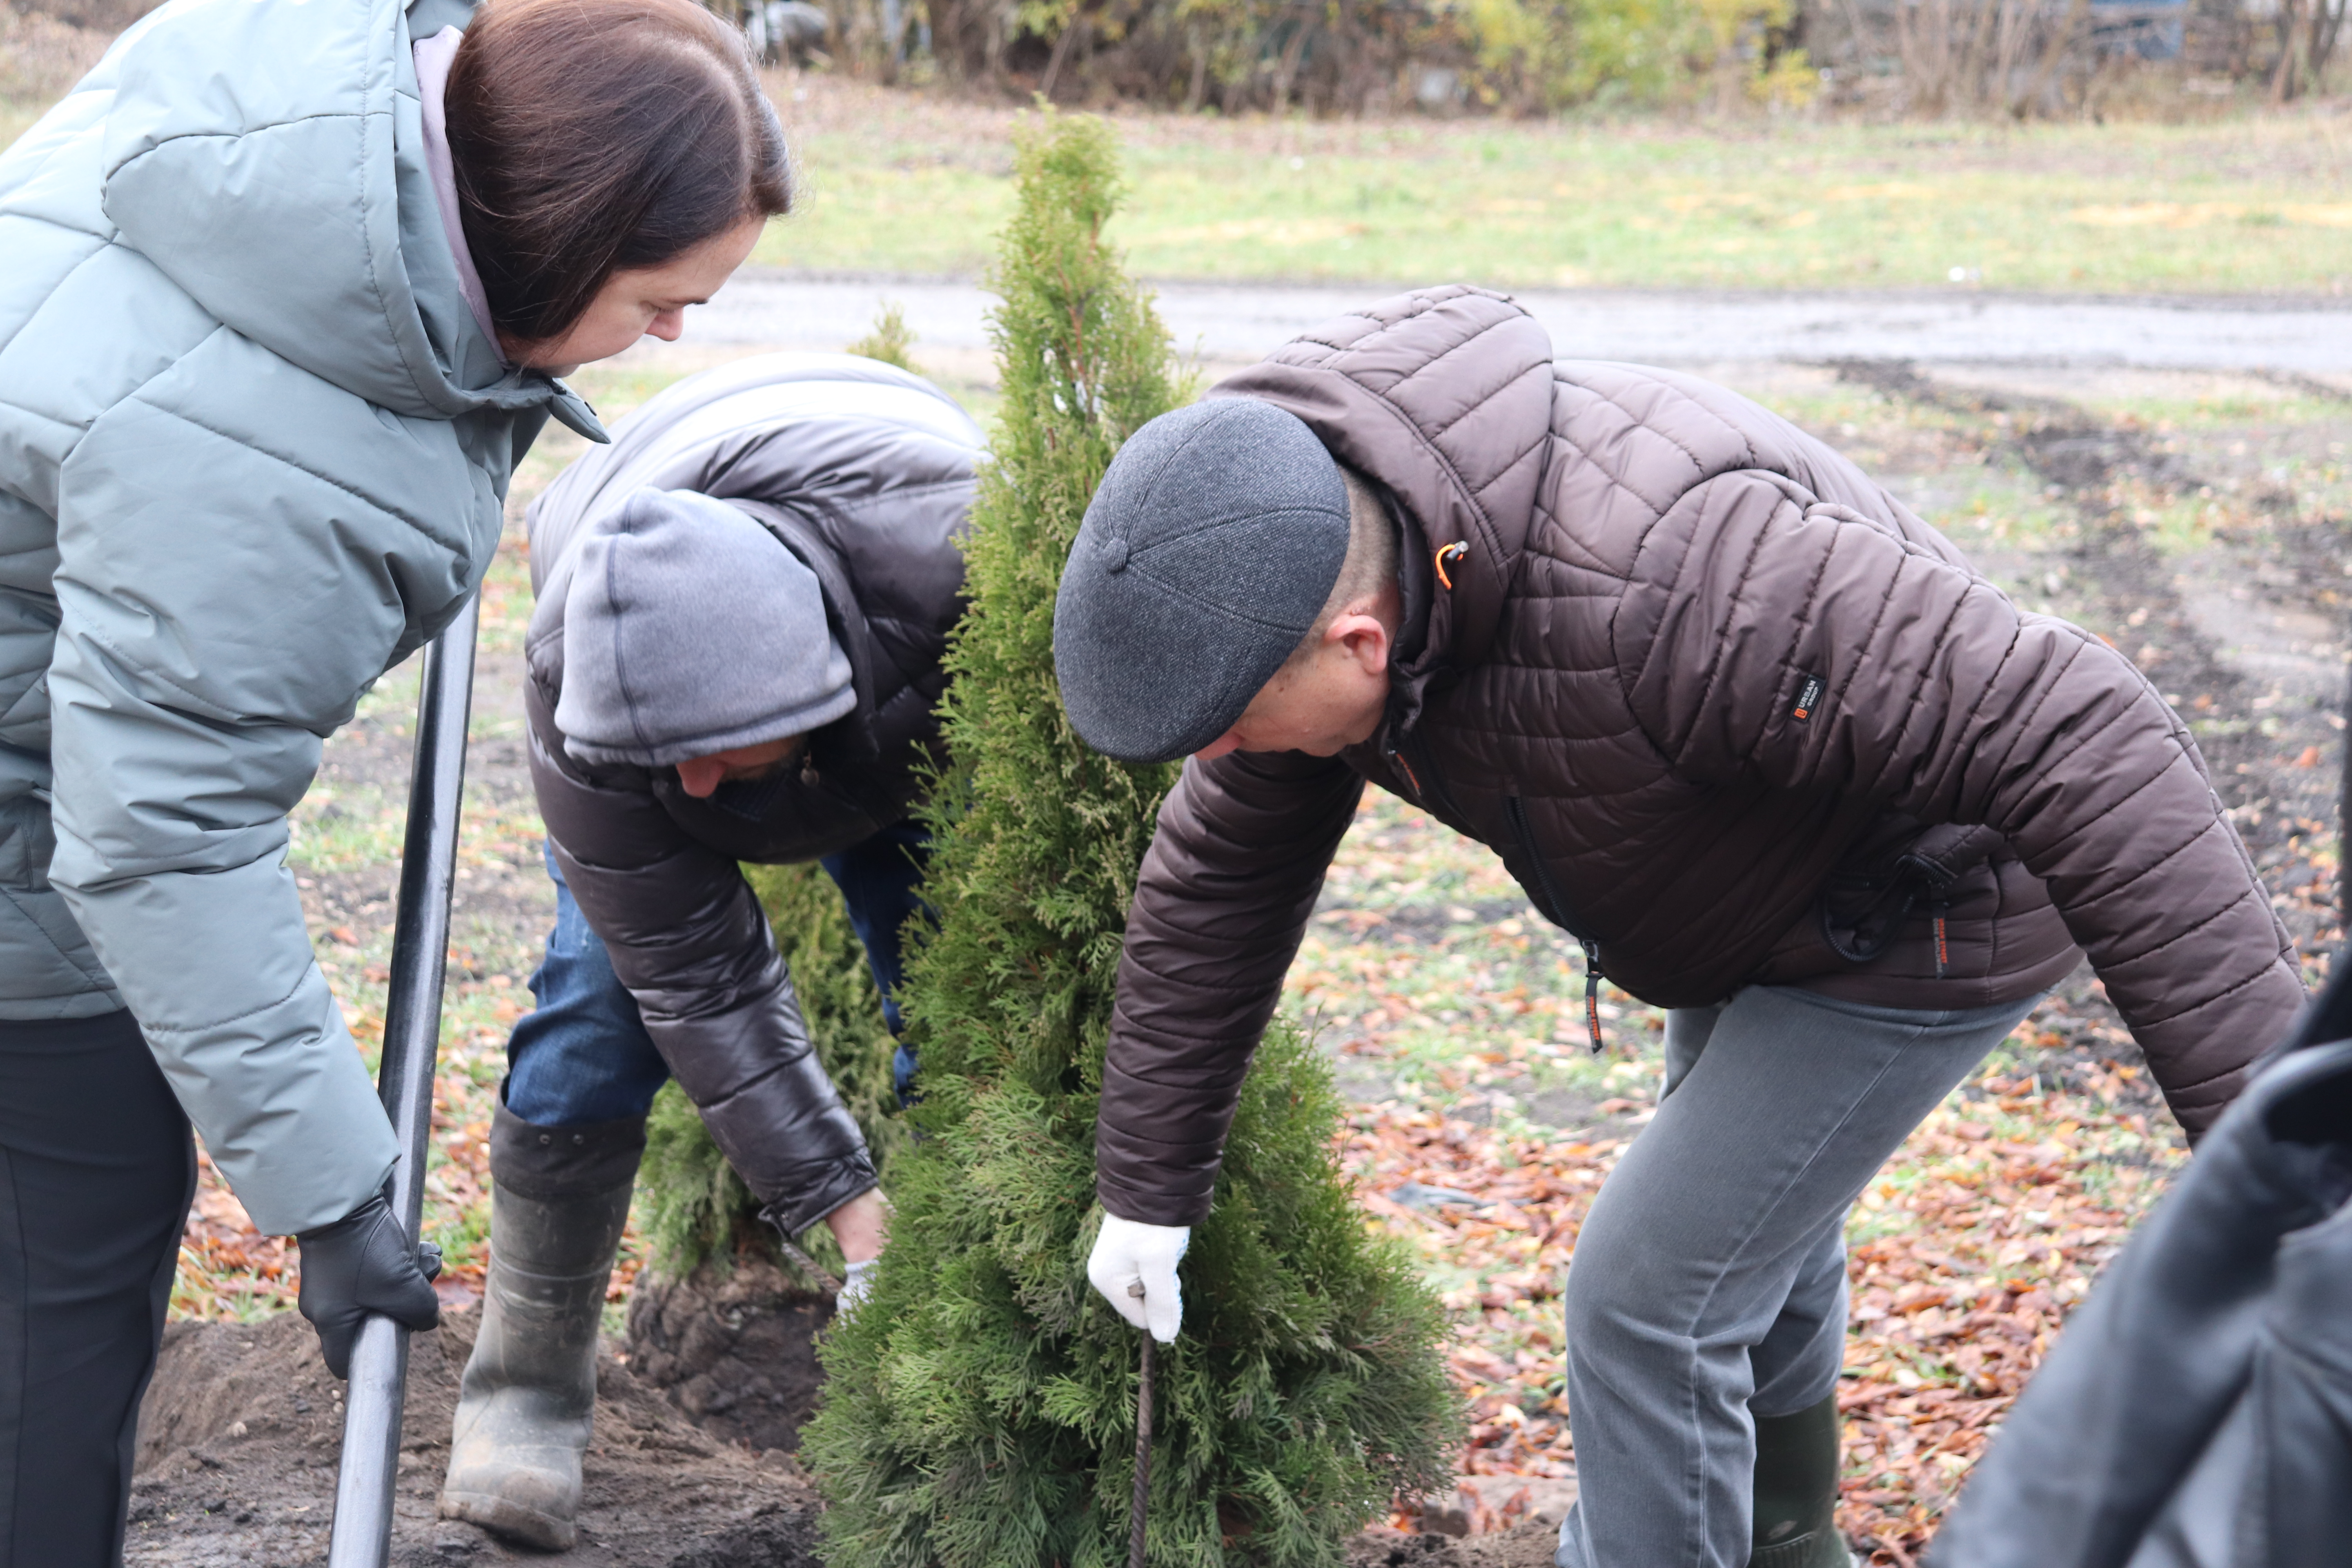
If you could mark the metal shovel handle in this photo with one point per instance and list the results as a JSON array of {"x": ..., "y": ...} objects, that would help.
[{"x": 412, "y": 1036}]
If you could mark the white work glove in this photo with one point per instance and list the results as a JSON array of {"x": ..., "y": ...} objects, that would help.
[
  {"x": 1127, "y": 1254},
  {"x": 857, "y": 1279}
]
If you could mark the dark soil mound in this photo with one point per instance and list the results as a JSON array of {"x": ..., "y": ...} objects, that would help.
[
  {"x": 1528, "y": 1545},
  {"x": 735, "y": 1350},
  {"x": 238, "y": 1443}
]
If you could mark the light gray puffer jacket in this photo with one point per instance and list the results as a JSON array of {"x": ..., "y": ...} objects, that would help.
[{"x": 254, "y": 450}]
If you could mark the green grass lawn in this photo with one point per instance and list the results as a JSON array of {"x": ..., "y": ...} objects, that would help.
[
  {"x": 2261, "y": 205},
  {"x": 897, "y": 182}
]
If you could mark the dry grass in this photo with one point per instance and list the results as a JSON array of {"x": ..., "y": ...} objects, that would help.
[{"x": 40, "y": 58}]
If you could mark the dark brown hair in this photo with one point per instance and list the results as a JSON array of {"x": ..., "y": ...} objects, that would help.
[{"x": 589, "y": 137}]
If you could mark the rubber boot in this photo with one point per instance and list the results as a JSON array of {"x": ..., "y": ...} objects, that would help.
[
  {"x": 524, "y": 1408},
  {"x": 1797, "y": 1459}
]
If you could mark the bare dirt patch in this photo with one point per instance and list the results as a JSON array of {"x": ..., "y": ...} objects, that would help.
[
  {"x": 243, "y": 1428},
  {"x": 735, "y": 1350}
]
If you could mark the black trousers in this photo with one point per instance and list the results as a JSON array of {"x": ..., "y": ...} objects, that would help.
[{"x": 97, "y": 1171}]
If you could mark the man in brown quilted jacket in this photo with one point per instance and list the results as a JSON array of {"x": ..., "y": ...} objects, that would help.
[{"x": 1755, "y": 735}]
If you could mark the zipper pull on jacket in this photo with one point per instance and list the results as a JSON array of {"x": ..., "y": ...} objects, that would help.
[
  {"x": 1592, "y": 992},
  {"x": 1554, "y": 907},
  {"x": 1396, "y": 759}
]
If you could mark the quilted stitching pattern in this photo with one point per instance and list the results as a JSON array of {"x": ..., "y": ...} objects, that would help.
[
  {"x": 236, "y": 486},
  {"x": 1657, "y": 564}
]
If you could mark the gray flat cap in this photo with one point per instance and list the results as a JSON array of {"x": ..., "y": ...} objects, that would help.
[
  {"x": 689, "y": 629},
  {"x": 1207, "y": 551}
]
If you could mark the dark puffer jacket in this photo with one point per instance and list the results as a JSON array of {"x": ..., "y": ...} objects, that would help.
[
  {"x": 865, "y": 474},
  {"x": 1695, "y": 678}
]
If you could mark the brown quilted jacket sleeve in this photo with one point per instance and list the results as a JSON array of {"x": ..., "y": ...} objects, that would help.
[
  {"x": 1942, "y": 699},
  {"x": 1220, "y": 904}
]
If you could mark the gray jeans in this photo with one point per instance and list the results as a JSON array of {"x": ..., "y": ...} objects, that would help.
[{"x": 1708, "y": 1283}]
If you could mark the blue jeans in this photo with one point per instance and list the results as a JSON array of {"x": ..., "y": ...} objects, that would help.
[{"x": 582, "y": 1056}]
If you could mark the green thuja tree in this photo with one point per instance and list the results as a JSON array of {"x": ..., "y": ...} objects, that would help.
[
  {"x": 690, "y": 1205},
  {"x": 979, "y": 1411}
]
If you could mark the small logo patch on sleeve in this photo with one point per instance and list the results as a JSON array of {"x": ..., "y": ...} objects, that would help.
[{"x": 1809, "y": 696}]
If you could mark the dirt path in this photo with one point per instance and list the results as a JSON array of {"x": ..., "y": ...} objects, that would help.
[{"x": 1220, "y": 320}]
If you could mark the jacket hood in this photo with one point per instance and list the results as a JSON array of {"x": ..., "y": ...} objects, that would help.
[
  {"x": 824, "y": 430},
  {"x": 861, "y": 471},
  {"x": 269, "y": 160}
]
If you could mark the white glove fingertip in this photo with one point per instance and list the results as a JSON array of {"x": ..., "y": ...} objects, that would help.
[
  {"x": 1134, "y": 1312},
  {"x": 1166, "y": 1315},
  {"x": 1110, "y": 1283},
  {"x": 857, "y": 1282}
]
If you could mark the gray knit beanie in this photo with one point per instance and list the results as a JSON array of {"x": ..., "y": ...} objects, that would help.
[
  {"x": 1207, "y": 553},
  {"x": 689, "y": 629}
]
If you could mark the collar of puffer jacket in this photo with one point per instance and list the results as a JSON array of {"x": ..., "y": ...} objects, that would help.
[
  {"x": 1443, "y": 397},
  {"x": 270, "y": 160}
]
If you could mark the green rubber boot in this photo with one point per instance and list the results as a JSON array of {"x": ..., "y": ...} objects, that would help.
[
  {"x": 1797, "y": 1459},
  {"x": 524, "y": 1407}
]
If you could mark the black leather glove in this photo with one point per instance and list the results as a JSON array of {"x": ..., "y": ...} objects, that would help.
[{"x": 363, "y": 1263}]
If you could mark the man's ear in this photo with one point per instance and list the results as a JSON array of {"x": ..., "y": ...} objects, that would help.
[{"x": 1363, "y": 638}]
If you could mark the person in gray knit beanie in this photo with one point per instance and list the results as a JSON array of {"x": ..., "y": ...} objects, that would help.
[
  {"x": 742, "y": 604},
  {"x": 647, "y": 683}
]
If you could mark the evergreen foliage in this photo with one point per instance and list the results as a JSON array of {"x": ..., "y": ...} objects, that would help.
[
  {"x": 691, "y": 1205},
  {"x": 980, "y": 1406},
  {"x": 888, "y": 339}
]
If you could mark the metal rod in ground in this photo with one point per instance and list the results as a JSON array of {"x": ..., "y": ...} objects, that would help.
[
  {"x": 1135, "y": 1512},
  {"x": 412, "y": 1035},
  {"x": 807, "y": 1265}
]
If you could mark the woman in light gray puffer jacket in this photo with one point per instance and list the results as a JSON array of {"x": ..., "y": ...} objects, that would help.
[{"x": 284, "y": 292}]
